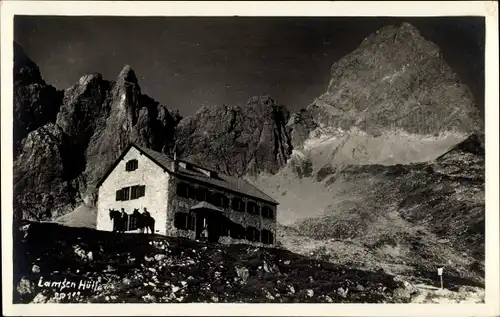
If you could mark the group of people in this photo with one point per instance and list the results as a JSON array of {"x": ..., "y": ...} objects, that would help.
[{"x": 124, "y": 222}]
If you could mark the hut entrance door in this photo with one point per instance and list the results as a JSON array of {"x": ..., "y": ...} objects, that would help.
[
  {"x": 201, "y": 222},
  {"x": 207, "y": 215},
  {"x": 209, "y": 220}
]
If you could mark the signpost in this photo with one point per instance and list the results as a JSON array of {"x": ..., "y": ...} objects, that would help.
[{"x": 440, "y": 273}]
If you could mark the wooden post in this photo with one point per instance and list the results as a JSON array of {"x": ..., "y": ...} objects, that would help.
[{"x": 440, "y": 273}]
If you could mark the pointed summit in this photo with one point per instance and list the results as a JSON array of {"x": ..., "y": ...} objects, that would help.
[
  {"x": 127, "y": 74},
  {"x": 396, "y": 80}
]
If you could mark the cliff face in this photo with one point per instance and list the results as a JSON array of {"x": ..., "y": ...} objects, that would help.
[{"x": 239, "y": 139}]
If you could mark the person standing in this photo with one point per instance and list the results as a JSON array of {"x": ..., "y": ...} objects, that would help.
[
  {"x": 146, "y": 218},
  {"x": 124, "y": 220},
  {"x": 204, "y": 234}
]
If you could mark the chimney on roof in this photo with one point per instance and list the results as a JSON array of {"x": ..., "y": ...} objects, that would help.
[{"x": 175, "y": 164}]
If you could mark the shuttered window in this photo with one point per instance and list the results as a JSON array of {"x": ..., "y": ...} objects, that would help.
[
  {"x": 126, "y": 193},
  {"x": 137, "y": 191},
  {"x": 133, "y": 192},
  {"x": 123, "y": 194},
  {"x": 131, "y": 165}
]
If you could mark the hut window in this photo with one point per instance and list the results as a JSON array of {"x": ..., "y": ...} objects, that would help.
[
  {"x": 191, "y": 222},
  {"x": 267, "y": 212},
  {"x": 253, "y": 234},
  {"x": 224, "y": 201},
  {"x": 211, "y": 198},
  {"x": 182, "y": 189},
  {"x": 137, "y": 191},
  {"x": 131, "y": 165},
  {"x": 191, "y": 192},
  {"x": 252, "y": 208},
  {"x": 226, "y": 231},
  {"x": 237, "y": 232},
  {"x": 237, "y": 204},
  {"x": 267, "y": 237},
  {"x": 181, "y": 220},
  {"x": 123, "y": 194},
  {"x": 218, "y": 200},
  {"x": 201, "y": 194}
]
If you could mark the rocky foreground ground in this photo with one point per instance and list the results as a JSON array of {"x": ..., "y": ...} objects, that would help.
[{"x": 133, "y": 268}]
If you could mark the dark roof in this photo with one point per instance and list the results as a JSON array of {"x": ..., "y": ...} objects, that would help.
[{"x": 226, "y": 182}]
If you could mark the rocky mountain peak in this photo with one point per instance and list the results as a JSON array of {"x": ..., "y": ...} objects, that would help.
[
  {"x": 35, "y": 102},
  {"x": 261, "y": 101},
  {"x": 237, "y": 139},
  {"x": 86, "y": 79},
  {"x": 25, "y": 70},
  {"x": 127, "y": 74},
  {"x": 396, "y": 80}
]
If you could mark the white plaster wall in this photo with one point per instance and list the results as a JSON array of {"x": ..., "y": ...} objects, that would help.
[{"x": 155, "y": 200}]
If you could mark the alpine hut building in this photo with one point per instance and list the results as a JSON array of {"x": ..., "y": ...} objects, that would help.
[{"x": 184, "y": 199}]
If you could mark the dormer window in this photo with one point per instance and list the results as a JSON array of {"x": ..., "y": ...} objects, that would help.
[{"x": 131, "y": 165}]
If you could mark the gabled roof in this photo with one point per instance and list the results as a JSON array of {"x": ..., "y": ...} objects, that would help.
[{"x": 226, "y": 182}]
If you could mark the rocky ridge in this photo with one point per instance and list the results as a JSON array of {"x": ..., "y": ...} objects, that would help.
[{"x": 237, "y": 140}]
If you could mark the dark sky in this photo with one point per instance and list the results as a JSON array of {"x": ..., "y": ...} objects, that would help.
[{"x": 185, "y": 62}]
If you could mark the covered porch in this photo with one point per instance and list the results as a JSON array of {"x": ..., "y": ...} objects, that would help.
[{"x": 207, "y": 215}]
